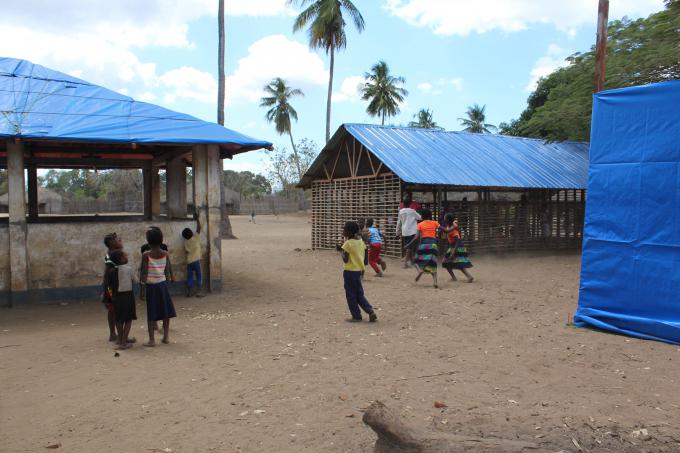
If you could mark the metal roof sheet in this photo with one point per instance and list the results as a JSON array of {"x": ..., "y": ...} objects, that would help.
[
  {"x": 428, "y": 156},
  {"x": 39, "y": 103}
]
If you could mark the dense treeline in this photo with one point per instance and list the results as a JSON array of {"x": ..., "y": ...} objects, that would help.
[{"x": 638, "y": 52}]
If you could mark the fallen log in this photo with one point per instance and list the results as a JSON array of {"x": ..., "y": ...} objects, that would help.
[{"x": 396, "y": 436}]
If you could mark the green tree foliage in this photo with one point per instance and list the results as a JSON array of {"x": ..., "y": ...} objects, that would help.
[
  {"x": 383, "y": 91},
  {"x": 325, "y": 24},
  {"x": 280, "y": 111},
  {"x": 3, "y": 181},
  {"x": 476, "y": 120},
  {"x": 246, "y": 183},
  {"x": 424, "y": 120},
  {"x": 639, "y": 52},
  {"x": 87, "y": 184}
]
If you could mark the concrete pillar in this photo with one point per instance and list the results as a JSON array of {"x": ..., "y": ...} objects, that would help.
[
  {"x": 207, "y": 200},
  {"x": 18, "y": 256},
  {"x": 155, "y": 192},
  {"x": 176, "y": 190}
]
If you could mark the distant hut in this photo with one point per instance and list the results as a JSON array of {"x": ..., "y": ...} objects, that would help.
[
  {"x": 504, "y": 190},
  {"x": 49, "y": 202}
]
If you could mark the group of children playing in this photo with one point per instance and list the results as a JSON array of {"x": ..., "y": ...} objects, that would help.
[
  {"x": 363, "y": 244},
  {"x": 154, "y": 273}
]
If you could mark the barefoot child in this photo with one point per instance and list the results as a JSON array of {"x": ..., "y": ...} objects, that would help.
[
  {"x": 119, "y": 281},
  {"x": 374, "y": 248},
  {"x": 427, "y": 254},
  {"x": 352, "y": 252},
  {"x": 145, "y": 248},
  {"x": 112, "y": 242},
  {"x": 156, "y": 271},
  {"x": 192, "y": 245},
  {"x": 456, "y": 254}
]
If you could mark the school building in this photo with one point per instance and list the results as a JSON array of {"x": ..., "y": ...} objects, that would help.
[
  {"x": 55, "y": 121},
  {"x": 510, "y": 193}
]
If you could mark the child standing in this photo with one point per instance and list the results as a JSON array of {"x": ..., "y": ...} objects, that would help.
[
  {"x": 112, "y": 242},
  {"x": 456, "y": 254},
  {"x": 192, "y": 245},
  {"x": 352, "y": 255},
  {"x": 156, "y": 271},
  {"x": 145, "y": 248},
  {"x": 375, "y": 244},
  {"x": 119, "y": 281},
  {"x": 427, "y": 254}
]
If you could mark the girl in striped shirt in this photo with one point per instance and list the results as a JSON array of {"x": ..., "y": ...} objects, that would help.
[{"x": 156, "y": 271}]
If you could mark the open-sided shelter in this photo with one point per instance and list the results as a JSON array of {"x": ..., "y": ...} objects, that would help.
[
  {"x": 630, "y": 269},
  {"x": 499, "y": 186},
  {"x": 53, "y": 120}
]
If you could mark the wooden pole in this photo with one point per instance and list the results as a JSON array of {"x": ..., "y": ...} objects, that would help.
[
  {"x": 601, "y": 44},
  {"x": 220, "y": 63}
]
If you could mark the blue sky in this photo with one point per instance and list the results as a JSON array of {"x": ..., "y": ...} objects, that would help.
[{"x": 452, "y": 54}]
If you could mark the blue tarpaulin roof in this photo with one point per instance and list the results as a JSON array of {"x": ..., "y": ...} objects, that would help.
[
  {"x": 40, "y": 103},
  {"x": 630, "y": 269},
  {"x": 428, "y": 156}
]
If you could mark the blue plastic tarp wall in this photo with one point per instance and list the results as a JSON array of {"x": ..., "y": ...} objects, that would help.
[{"x": 630, "y": 269}]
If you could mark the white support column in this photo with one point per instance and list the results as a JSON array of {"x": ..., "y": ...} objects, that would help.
[
  {"x": 176, "y": 194},
  {"x": 18, "y": 257}
]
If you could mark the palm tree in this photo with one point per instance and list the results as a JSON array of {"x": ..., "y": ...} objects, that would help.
[
  {"x": 475, "y": 121},
  {"x": 383, "y": 91},
  {"x": 327, "y": 31},
  {"x": 220, "y": 63},
  {"x": 425, "y": 121},
  {"x": 281, "y": 111}
]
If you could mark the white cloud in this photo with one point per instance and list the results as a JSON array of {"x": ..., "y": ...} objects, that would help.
[
  {"x": 99, "y": 40},
  {"x": 274, "y": 56},
  {"x": 462, "y": 17},
  {"x": 190, "y": 84},
  {"x": 440, "y": 86},
  {"x": 553, "y": 59},
  {"x": 350, "y": 90}
]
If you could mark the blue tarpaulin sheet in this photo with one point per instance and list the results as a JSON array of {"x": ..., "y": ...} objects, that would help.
[
  {"x": 630, "y": 269},
  {"x": 39, "y": 103}
]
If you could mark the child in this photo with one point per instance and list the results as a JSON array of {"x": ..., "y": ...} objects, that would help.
[
  {"x": 426, "y": 256},
  {"x": 374, "y": 248},
  {"x": 456, "y": 254},
  {"x": 366, "y": 237},
  {"x": 112, "y": 242},
  {"x": 156, "y": 270},
  {"x": 192, "y": 245},
  {"x": 145, "y": 248},
  {"x": 119, "y": 281},
  {"x": 352, "y": 255}
]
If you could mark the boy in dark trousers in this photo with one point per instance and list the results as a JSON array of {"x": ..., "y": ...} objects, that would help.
[
  {"x": 352, "y": 252},
  {"x": 192, "y": 245}
]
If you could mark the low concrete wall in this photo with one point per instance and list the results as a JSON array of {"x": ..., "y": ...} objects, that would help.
[
  {"x": 4, "y": 259},
  {"x": 66, "y": 260}
]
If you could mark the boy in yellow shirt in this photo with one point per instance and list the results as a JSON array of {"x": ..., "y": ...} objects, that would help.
[
  {"x": 353, "y": 256},
  {"x": 192, "y": 245}
]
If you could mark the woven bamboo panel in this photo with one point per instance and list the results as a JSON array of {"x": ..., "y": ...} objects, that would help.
[{"x": 335, "y": 202}]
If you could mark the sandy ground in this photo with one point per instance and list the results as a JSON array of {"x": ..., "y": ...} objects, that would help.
[{"x": 271, "y": 365}]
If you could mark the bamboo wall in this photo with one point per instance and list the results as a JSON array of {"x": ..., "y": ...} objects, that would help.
[{"x": 335, "y": 202}]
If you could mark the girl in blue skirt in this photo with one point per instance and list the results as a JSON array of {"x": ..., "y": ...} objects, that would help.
[
  {"x": 456, "y": 254},
  {"x": 156, "y": 271},
  {"x": 427, "y": 253}
]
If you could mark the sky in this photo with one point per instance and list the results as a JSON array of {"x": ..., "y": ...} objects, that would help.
[{"x": 452, "y": 53}]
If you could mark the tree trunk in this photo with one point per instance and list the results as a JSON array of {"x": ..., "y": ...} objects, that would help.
[
  {"x": 330, "y": 93},
  {"x": 383, "y": 119},
  {"x": 396, "y": 436},
  {"x": 220, "y": 64},
  {"x": 301, "y": 192}
]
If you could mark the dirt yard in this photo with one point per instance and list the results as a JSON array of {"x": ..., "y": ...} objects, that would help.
[{"x": 270, "y": 365}]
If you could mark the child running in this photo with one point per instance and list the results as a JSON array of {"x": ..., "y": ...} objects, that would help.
[
  {"x": 156, "y": 271},
  {"x": 456, "y": 254},
  {"x": 192, "y": 245},
  {"x": 352, "y": 252},
  {"x": 119, "y": 282},
  {"x": 427, "y": 253},
  {"x": 374, "y": 248}
]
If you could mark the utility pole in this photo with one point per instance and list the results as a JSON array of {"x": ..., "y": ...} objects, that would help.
[
  {"x": 220, "y": 64},
  {"x": 601, "y": 44}
]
